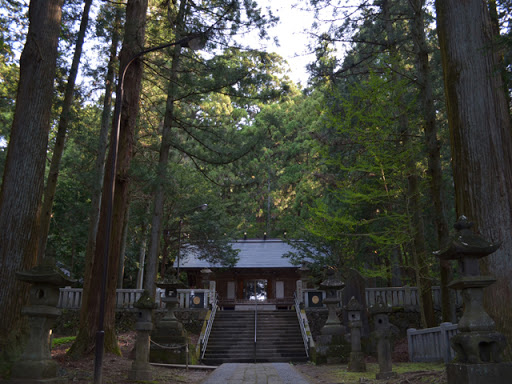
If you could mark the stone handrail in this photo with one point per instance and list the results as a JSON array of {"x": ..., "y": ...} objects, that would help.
[
  {"x": 204, "y": 337},
  {"x": 305, "y": 337}
]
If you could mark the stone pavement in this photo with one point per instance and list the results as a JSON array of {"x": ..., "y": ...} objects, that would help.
[{"x": 264, "y": 373}]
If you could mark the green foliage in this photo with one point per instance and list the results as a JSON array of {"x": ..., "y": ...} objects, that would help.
[
  {"x": 69, "y": 225},
  {"x": 362, "y": 207},
  {"x": 13, "y": 26},
  {"x": 401, "y": 368},
  {"x": 62, "y": 340}
]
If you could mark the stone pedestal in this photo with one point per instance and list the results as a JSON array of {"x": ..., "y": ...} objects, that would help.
[
  {"x": 36, "y": 364},
  {"x": 478, "y": 345},
  {"x": 141, "y": 369},
  {"x": 169, "y": 337},
  {"x": 491, "y": 373},
  {"x": 354, "y": 309},
  {"x": 383, "y": 334}
]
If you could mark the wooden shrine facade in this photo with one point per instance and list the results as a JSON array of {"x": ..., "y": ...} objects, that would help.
[{"x": 262, "y": 276}]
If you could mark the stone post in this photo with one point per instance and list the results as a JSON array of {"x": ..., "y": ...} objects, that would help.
[
  {"x": 383, "y": 333},
  {"x": 36, "y": 364},
  {"x": 213, "y": 292},
  {"x": 302, "y": 284},
  {"x": 478, "y": 345},
  {"x": 141, "y": 369},
  {"x": 356, "y": 363}
]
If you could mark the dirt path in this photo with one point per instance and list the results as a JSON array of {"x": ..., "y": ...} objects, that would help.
[{"x": 116, "y": 368}]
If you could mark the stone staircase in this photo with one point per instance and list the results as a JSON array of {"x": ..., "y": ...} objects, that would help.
[{"x": 232, "y": 338}]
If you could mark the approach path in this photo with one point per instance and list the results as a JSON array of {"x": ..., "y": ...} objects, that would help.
[{"x": 263, "y": 373}]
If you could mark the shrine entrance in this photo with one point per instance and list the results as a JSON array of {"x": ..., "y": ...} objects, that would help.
[{"x": 256, "y": 290}]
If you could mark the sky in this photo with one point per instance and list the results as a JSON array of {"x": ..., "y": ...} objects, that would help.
[
  {"x": 294, "y": 19},
  {"x": 292, "y": 32}
]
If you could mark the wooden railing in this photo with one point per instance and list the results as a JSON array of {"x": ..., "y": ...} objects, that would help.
[
  {"x": 203, "y": 298},
  {"x": 407, "y": 297},
  {"x": 71, "y": 298}
]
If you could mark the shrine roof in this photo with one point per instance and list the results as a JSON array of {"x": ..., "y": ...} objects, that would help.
[{"x": 252, "y": 254}]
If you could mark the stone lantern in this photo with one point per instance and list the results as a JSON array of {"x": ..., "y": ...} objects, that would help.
[
  {"x": 478, "y": 345},
  {"x": 331, "y": 346},
  {"x": 206, "y": 273},
  {"x": 36, "y": 364},
  {"x": 169, "y": 336},
  {"x": 383, "y": 333},
  {"x": 141, "y": 369},
  {"x": 354, "y": 309},
  {"x": 331, "y": 285}
]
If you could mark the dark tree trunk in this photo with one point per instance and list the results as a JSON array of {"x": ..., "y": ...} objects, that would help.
[
  {"x": 23, "y": 177},
  {"x": 122, "y": 252},
  {"x": 417, "y": 229},
  {"x": 99, "y": 166},
  {"x": 163, "y": 160},
  {"x": 481, "y": 139},
  {"x": 435, "y": 171},
  {"x": 60, "y": 139},
  {"x": 132, "y": 44}
]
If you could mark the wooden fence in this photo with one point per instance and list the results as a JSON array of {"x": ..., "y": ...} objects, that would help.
[
  {"x": 431, "y": 344},
  {"x": 71, "y": 298},
  {"x": 406, "y": 297}
]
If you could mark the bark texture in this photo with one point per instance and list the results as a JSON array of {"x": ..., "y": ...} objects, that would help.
[
  {"x": 99, "y": 165},
  {"x": 435, "y": 171},
  {"x": 133, "y": 43},
  {"x": 60, "y": 139},
  {"x": 416, "y": 225},
  {"x": 481, "y": 139},
  {"x": 163, "y": 160},
  {"x": 23, "y": 177}
]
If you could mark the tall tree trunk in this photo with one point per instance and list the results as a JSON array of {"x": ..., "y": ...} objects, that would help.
[
  {"x": 122, "y": 252},
  {"x": 481, "y": 139},
  {"x": 99, "y": 166},
  {"x": 433, "y": 146},
  {"x": 416, "y": 220},
  {"x": 142, "y": 258},
  {"x": 51, "y": 184},
  {"x": 23, "y": 178},
  {"x": 423, "y": 281},
  {"x": 142, "y": 250},
  {"x": 161, "y": 172},
  {"x": 132, "y": 44}
]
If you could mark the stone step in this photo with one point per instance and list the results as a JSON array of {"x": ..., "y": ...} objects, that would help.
[
  {"x": 232, "y": 338},
  {"x": 230, "y": 349},
  {"x": 262, "y": 359}
]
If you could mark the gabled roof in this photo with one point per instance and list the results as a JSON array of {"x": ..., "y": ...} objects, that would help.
[{"x": 252, "y": 254}]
